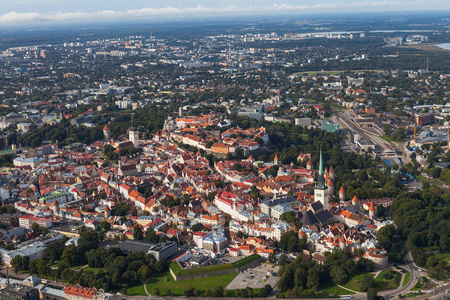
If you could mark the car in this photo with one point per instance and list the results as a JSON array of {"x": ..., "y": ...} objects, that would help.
[{"x": 420, "y": 270}]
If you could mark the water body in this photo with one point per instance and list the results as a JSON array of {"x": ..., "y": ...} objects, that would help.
[{"x": 445, "y": 46}]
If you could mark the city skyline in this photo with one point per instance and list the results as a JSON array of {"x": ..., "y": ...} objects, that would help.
[{"x": 58, "y": 11}]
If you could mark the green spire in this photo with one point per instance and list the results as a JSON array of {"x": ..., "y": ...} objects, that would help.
[{"x": 321, "y": 164}]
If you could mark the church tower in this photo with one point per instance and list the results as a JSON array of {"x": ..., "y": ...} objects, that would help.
[
  {"x": 275, "y": 160},
  {"x": 133, "y": 134},
  {"x": 321, "y": 190}
]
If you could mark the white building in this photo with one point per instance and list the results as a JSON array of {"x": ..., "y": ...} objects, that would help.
[
  {"x": 28, "y": 220},
  {"x": 230, "y": 203},
  {"x": 32, "y": 162}
]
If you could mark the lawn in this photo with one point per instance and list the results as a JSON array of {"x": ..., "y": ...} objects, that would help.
[
  {"x": 94, "y": 270},
  {"x": 422, "y": 284},
  {"x": 164, "y": 282},
  {"x": 176, "y": 268},
  {"x": 386, "y": 138},
  {"x": 407, "y": 278},
  {"x": 202, "y": 270},
  {"x": 388, "y": 284},
  {"x": 355, "y": 282},
  {"x": 246, "y": 260},
  {"x": 443, "y": 256},
  {"x": 331, "y": 289},
  {"x": 180, "y": 272},
  {"x": 137, "y": 290}
]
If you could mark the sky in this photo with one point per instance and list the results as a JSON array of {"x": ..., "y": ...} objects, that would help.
[{"x": 65, "y": 11}]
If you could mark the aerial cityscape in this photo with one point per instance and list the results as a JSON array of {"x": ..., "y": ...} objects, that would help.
[{"x": 205, "y": 151}]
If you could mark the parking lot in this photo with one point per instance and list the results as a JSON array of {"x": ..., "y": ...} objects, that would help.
[{"x": 255, "y": 278}]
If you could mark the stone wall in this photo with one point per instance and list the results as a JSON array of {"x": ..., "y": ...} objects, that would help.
[{"x": 215, "y": 273}]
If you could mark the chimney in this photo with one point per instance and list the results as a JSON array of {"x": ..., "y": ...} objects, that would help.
[{"x": 7, "y": 276}]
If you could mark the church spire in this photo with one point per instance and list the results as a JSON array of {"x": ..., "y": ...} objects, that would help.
[{"x": 321, "y": 164}]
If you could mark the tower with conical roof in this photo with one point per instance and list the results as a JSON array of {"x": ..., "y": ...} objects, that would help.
[
  {"x": 355, "y": 202},
  {"x": 371, "y": 211},
  {"x": 330, "y": 185},
  {"x": 321, "y": 190},
  {"x": 309, "y": 165},
  {"x": 342, "y": 194},
  {"x": 56, "y": 207},
  {"x": 107, "y": 212},
  {"x": 275, "y": 160},
  {"x": 342, "y": 243},
  {"x": 331, "y": 174},
  {"x": 107, "y": 133},
  {"x": 133, "y": 134}
]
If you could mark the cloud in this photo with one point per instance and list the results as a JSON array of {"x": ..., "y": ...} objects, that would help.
[{"x": 199, "y": 10}]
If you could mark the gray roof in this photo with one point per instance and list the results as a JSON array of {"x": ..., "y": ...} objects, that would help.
[
  {"x": 316, "y": 206},
  {"x": 324, "y": 216},
  {"x": 308, "y": 218}
]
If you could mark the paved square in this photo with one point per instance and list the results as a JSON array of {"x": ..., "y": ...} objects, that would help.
[{"x": 261, "y": 276}]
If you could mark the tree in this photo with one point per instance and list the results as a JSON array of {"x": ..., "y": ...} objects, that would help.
[
  {"x": 365, "y": 265},
  {"x": 197, "y": 227},
  {"x": 189, "y": 292},
  {"x": 366, "y": 283},
  {"x": 444, "y": 243},
  {"x": 150, "y": 236},
  {"x": 70, "y": 255},
  {"x": 218, "y": 291},
  {"x": 282, "y": 260},
  {"x": 138, "y": 234},
  {"x": 271, "y": 258},
  {"x": 265, "y": 291},
  {"x": 157, "y": 292},
  {"x": 20, "y": 263},
  {"x": 339, "y": 275},
  {"x": 385, "y": 236},
  {"x": 313, "y": 279},
  {"x": 104, "y": 225},
  {"x": 273, "y": 171},
  {"x": 144, "y": 272},
  {"x": 372, "y": 294}
]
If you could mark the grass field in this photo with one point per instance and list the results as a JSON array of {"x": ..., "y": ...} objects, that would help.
[
  {"x": 94, "y": 270},
  {"x": 331, "y": 289},
  {"x": 443, "y": 256},
  {"x": 388, "y": 284},
  {"x": 355, "y": 282},
  {"x": 195, "y": 271},
  {"x": 176, "y": 268},
  {"x": 422, "y": 284},
  {"x": 246, "y": 260},
  {"x": 407, "y": 278},
  {"x": 137, "y": 290},
  {"x": 386, "y": 138},
  {"x": 164, "y": 282},
  {"x": 180, "y": 272}
]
